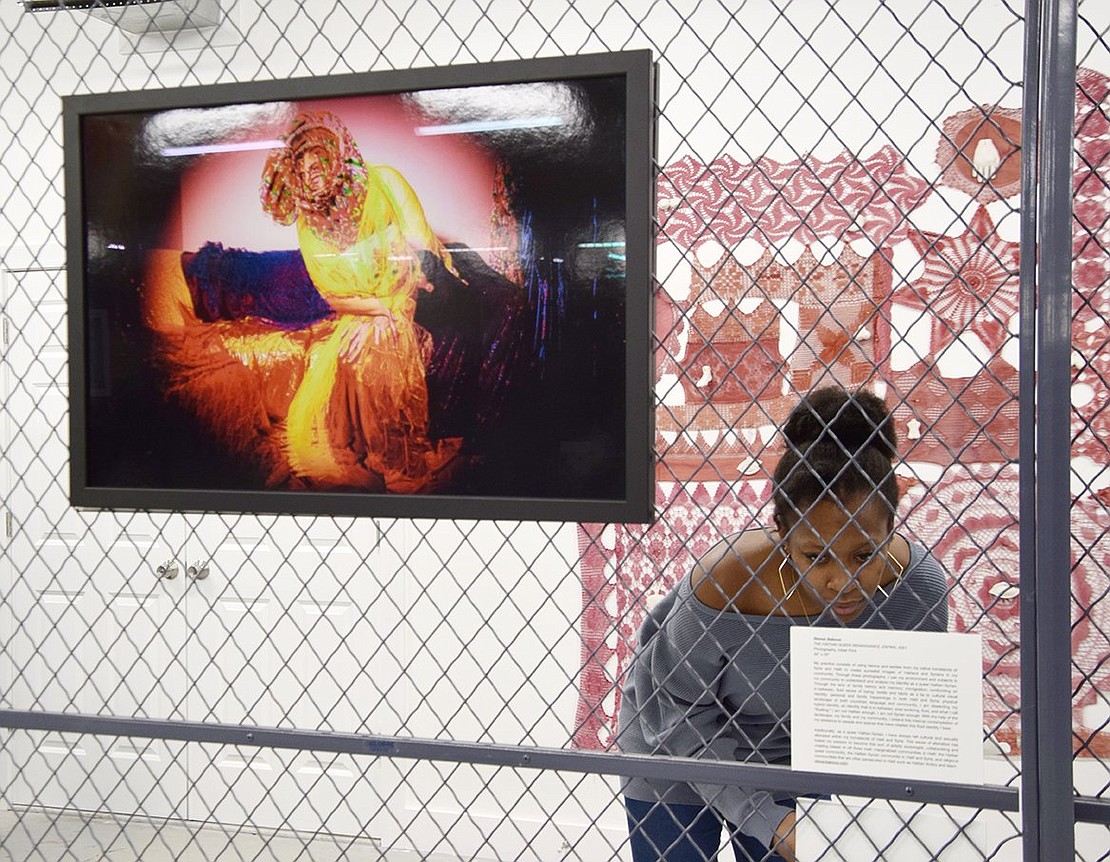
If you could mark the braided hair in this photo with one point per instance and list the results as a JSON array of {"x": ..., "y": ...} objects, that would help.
[{"x": 840, "y": 445}]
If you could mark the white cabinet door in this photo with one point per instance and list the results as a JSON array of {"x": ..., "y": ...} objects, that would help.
[
  {"x": 92, "y": 627},
  {"x": 288, "y": 630}
]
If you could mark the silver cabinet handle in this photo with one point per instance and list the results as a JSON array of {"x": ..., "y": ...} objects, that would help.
[
  {"x": 197, "y": 571},
  {"x": 167, "y": 571}
]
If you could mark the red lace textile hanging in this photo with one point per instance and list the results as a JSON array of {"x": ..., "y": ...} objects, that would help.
[{"x": 736, "y": 351}]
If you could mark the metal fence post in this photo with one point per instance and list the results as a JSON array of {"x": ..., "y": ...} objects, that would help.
[
  {"x": 1051, "y": 793},
  {"x": 1027, "y": 426}
]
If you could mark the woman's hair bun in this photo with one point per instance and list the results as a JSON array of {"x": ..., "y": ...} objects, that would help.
[{"x": 851, "y": 421}]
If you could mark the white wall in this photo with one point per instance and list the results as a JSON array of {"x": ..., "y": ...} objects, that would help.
[{"x": 494, "y": 604}]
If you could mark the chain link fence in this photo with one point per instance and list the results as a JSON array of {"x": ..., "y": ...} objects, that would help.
[{"x": 838, "y": 199}]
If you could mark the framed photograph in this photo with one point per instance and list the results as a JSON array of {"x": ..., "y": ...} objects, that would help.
[{"x": 421, "y": 293}]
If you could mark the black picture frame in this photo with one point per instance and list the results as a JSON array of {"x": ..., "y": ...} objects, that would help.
[{"x": 571, "y": 436}]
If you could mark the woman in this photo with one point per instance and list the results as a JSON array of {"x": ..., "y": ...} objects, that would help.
[
  {"x": 711, "y": 674},
  {"x": 360, "y": 415}
]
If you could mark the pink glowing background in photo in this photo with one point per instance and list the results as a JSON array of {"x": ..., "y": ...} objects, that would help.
[{"x": 452, "y": 176}]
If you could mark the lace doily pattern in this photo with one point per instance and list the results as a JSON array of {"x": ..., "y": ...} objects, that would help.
[
  {"x": 970, "y": 283},
  {"x": 737, "y": 384},
  {"x": 980, "y": 152},
  {"x": 1091, "y": 178},
  {"x": 968, "y": 420},
  {"x": 843, "y": 322},
  {"x": 805, "y": 199},
  {"x": 748, "y": 338},
  {"x": 969, "y": 518},
  {"x": 1091, "y": 269},
  {"x": 1090, "y": 639}
]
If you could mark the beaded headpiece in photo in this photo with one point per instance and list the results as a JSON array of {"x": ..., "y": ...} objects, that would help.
[{"x": 335, "y": 214}]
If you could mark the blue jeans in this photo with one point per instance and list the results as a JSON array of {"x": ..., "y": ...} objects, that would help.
[{"x": 661, "y": 832}]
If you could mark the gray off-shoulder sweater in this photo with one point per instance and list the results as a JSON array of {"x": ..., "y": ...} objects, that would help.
[{"x": 716, "y": 685}]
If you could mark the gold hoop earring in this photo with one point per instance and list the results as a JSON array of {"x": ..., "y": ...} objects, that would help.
[
  {"x": 787, "y": 594},
  {"x": 782, "y": 580},
  {"x": 899, "y": 571}
]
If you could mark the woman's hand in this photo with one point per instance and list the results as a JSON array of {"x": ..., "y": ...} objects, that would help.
[
  {"x": 381, "y": 327},
  {"x": 384, "y": 327},
  {"x": 785, "y": 834}
]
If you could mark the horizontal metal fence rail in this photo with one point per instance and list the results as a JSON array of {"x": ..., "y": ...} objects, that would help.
[{"x": 769, "y": 777}]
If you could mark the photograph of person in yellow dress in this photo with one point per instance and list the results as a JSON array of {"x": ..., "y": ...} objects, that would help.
[
  {"x": 362, "y": 295},
  {"x": 362, "y": 405}
]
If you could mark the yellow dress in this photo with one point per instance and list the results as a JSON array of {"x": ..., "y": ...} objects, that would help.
[{"x": 360, "y": 414}]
